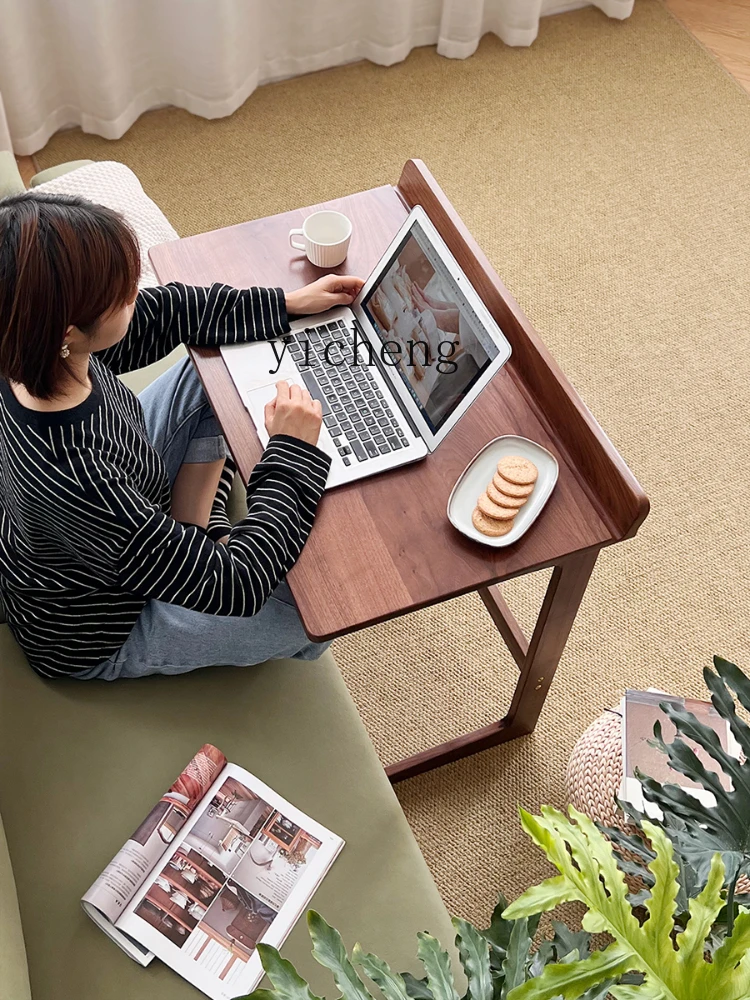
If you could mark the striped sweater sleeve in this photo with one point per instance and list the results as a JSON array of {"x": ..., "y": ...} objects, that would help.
[
  {"x": 162, "y": 559},
  {"x": 174, "y": 314}
]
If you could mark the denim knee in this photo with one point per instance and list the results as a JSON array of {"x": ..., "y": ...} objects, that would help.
[
  {"x": 207, "y": 443},
  {"x": 313, "y": 651},
  {"x": 179, "y": 420}
]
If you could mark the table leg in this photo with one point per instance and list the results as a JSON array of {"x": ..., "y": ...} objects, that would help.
[{"x": 537, "y": 660}]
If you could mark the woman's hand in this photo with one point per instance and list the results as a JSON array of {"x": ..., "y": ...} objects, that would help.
[
  {"x": 294, "y": 412},
  {"x": 328, "y": 291},
  {"x": 417, "y": 295}
]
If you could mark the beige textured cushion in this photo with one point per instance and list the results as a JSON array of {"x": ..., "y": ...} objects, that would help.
[
  {"x": 594, "y": 772},
  {"x": 116, "y": 186}
]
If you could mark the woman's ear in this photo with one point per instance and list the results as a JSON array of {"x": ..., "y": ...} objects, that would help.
[{"x": 72, "y": 335}]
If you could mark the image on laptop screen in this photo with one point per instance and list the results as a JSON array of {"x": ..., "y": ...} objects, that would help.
[{"x": 431, "y": 333}]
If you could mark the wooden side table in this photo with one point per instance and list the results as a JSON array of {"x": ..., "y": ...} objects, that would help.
[{"x": 383, "y": 546}]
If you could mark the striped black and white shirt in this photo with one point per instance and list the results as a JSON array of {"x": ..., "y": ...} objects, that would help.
[{"x": 86, "y": 537}]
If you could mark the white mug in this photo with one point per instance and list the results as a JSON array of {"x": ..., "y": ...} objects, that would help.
[{"x": 325, "y": 238}]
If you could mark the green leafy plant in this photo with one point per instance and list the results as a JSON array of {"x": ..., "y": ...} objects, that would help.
[
  {"x": 684, "y": 935},
  {"x": 696, "y": 830},
  {"x": 672, "y": 961},
  {"x": 633, "y": 856},
  {"x": 495, "y": 961},
  {"x": 512, "y": 959}
]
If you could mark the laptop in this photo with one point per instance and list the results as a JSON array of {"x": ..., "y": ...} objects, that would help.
[{"x": 394, "y": 371}]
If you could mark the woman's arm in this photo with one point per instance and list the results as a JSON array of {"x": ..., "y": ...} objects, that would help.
[
  {"x": 174, "y": 314},
  {"x": 204, "y": 317},
  {"x": 162, "y": 559}
]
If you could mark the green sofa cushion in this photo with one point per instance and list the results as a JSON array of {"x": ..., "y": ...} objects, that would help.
[
  {"x": 82, "y": 763},
  {"x": 52, "y": 172},
  {"x": 139, "y": 379},
  {"x": 14, "y": 979},
  {"x": 11, "y": 181}
]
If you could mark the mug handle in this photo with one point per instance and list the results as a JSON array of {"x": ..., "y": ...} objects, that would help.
[{"x": 296, "y": 232}]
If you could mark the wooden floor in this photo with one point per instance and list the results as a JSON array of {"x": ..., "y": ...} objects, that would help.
[{"x": 723, "y": 26}]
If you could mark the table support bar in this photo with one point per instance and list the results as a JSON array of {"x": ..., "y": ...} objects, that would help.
[
  {"x": 537, "y": 660},
  {"x": 506, "y": 622}
]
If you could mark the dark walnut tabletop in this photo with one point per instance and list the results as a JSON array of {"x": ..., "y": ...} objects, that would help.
[{"x": 384, "y": 546}]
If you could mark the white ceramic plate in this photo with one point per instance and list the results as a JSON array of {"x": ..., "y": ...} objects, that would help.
[{"x": 478, "y": 474}]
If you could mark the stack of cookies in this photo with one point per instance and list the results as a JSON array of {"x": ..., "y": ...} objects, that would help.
[{"x": 511, "y": 486}]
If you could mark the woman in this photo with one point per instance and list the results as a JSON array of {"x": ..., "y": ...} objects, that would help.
[{"x": 116, "y": 557}]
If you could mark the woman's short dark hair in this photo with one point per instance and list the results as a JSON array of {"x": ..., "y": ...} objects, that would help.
[{"x": 63, "y": 262}]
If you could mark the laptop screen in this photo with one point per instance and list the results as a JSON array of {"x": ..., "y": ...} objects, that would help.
[{"x": 430, "y": 333}]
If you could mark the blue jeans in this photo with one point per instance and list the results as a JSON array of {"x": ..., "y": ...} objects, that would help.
[{"x": 169, "y": 639}]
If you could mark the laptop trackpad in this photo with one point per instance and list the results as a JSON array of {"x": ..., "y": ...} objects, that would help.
[
  {"x": 256, "y": 400},
  {"x": 255, "y": 365}
]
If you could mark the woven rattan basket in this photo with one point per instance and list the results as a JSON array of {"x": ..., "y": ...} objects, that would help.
[{"x": 594, "y": 770}]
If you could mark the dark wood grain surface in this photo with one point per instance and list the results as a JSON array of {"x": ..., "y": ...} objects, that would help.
[
  {"x": 614, "y": 489},
  {"x": 384, "y": 546}
]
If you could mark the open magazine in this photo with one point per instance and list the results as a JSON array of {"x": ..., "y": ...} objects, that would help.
[
  {"x": 640, "y": 710},
  {"x": 219, "y": 863}
]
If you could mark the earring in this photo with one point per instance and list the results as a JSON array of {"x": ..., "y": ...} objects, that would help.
[{"x": 64, "y": 351}]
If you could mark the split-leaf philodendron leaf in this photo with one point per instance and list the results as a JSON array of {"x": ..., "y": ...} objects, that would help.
[
  {"x": 724, "y": 826},
  {"x": 495, "y": 962},
  {"x": 672, "y": 970}
]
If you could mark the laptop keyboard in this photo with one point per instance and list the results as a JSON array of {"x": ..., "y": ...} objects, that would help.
[{"x": 355, "y": 411}]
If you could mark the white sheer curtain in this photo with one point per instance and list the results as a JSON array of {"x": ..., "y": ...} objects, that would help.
[
  {"x": 101, "y": 63},
  {"x": 5, "y": 141}
]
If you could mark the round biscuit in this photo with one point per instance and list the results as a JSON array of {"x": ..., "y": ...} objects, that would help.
[
  {"x": 511, "y": 489},
  {"x": 517, "y": 469},
  {"x": 503, "y": 499},
  {"x": 495, "y": 510},
  {"x": 488, "y": 525}
]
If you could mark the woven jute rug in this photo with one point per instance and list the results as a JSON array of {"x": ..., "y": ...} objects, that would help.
[{"x": 605, "y": 173}]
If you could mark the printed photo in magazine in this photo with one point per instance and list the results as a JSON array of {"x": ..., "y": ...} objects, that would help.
[
  {"x": 640, "y": 711},
  {"x": 199, "y": 885},
  {"x": 113, "y": 890}
]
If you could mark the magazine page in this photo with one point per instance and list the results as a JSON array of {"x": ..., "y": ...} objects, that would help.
[
  {"x": 108, "y": 897},
  {"x": 641, "y": 711},
  {"x": 243, "y": 868}
]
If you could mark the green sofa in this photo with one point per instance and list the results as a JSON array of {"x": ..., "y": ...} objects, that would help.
[
  {"x": 82, "y": 764},
  {"x": 11, "y": 181}
]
